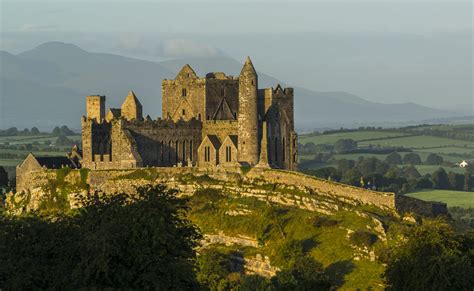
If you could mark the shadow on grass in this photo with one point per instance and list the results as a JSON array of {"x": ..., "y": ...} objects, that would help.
[
  {"x": 308, "y": 244},
  {"x": 338, "y": 271}
]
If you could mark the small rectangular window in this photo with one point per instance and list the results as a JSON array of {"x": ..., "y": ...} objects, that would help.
[
  {"x": 207, "y": 154},
  {"x": 228, "y": 154},
  {"x": 184, "y": 112},
  {"x": 183, "y": 92}
]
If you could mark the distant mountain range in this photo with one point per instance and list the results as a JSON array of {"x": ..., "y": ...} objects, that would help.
[{"x": 46, "y": 86}]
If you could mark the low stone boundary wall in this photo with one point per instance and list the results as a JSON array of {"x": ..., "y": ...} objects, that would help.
[{"x": 324, "y": 187}]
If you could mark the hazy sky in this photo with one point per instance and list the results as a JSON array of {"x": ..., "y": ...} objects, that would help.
[{"x": 385, "y": 51}]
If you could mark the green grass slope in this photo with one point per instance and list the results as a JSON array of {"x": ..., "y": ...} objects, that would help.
[
  {"x": 329, "y": 239},
  {"x": 452, "y": 198}
]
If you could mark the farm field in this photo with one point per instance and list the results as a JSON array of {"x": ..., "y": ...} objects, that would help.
[
  {"x": 452, "y": 198},
  {"x": 21, "y": 140},
  {"x": 357, "y": 136},
  {"x": 14, "y": 148},
  {"x": 419, "y": 142}
]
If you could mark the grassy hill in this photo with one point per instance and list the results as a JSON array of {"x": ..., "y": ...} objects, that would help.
[{"x": 329, "y": 239}]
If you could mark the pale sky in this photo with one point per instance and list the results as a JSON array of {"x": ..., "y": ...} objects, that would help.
[{"x": 385, "y": 51}]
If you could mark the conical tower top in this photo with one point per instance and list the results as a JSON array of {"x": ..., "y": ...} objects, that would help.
[
  {"x": 248, "y": 67},
  {"x": 132, "y": 98}
]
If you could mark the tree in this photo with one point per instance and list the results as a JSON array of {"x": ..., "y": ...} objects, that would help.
[
  {"x": 372, "y": 165},
  {"x": 440, "y": 179},
  {"x": 393, "y": 158},
  {"x": 56, "y": 131},
  {"x": 351, "y": 177},
  {"x": 467, "y": 180},
  {"x": 304, "y": 274},
  {"x": 345, "y": 165},
  {"x": 433, "y": 257},
  {"x": 344, "y": 145},
  {"x": 213, "y": 268},
  {"x": 310, "y": 148},
  {"x": 66, "y": 131},
  {"x": 412, "y": 159},
  {"x": 119, "y": 241},
  {"x": 35, "y": 131},
  {"x": 3, "y": 178},
  {"x": 63, "y": 141},
  {"x": 12, "y": 131},
  {"x": 411, "y": 172},
  {"x": 424, "y": 183},
  {"x": 434, "y": 159},
  {"x": 456, "y": 181}
]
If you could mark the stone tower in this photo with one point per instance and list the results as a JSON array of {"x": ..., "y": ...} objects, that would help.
[
  {"x": 95, "y": 107},
  {"x": 131, "y": 107},
  {"x": 248, "y": 115}
]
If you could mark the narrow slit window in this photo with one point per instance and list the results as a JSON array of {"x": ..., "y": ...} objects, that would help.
[{"x": 184, "y": 92}]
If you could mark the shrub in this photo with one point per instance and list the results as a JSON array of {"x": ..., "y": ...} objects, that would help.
[
  {"x": 363, "y": 238},
  {"x": 323, "y": 221}
]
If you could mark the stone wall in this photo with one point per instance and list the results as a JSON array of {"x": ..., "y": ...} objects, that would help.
[
  {"x": 219, "y": 128},
  {"x": 186, "y": 92},
  {"x": 323, "y": 187}
]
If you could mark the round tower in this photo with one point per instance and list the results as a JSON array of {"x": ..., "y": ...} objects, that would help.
[{"x": 248, "y": 115}]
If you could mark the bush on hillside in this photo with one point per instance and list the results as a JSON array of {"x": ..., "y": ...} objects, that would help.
[
  {"x": 363, "y": 238},
  {"x": 433, "y": 257}
]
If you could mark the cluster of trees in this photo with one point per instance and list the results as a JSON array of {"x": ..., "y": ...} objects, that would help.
[
  {"x": 341, "y": 146},
  {"x": 13, "y": 131},
  {"x": 433, "y": 257},
  {"x": 395, "y": 158},
  {"x": 380, "y": 175},
  {"x": 63, "y": 130},
  {"x": 113, "y": 242}
]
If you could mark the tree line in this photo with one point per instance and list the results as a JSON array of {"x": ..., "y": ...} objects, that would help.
[
  {"x": 387, "y": 175},
  {"x": 57, "y": 131}
]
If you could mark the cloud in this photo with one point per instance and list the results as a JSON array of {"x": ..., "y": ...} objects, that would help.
[
  {"x": 132, "y": 43},
  {"x": 37, "y": 27},
  {"x": 186, "y": 48}
]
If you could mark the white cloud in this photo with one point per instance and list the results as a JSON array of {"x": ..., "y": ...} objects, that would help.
[{"x": 187, "y": 48}]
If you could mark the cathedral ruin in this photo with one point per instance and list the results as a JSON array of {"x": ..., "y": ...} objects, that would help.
[{"x": 212, "y": 121}]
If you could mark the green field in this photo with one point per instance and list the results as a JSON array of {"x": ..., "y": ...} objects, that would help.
[
  {"x": 419, "y": 142},
  {"x": 452, "y": 198},
  {"x": 40, "y": 148},
  {"x": 357, "y": 136},
  {"x": 9, "y": 163}
]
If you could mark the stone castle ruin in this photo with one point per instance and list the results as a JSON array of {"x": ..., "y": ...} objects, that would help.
[
  {"x": 214, "y": 121},
  {"x": 221, "y": 127}
]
